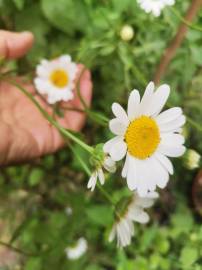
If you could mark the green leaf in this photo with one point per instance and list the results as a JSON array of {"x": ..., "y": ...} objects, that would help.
[
  {"x": 33, "y": 264},
  {"x": 64, "y": 14},
  {"x": 100, "y": 215},
  {"x": 188, "y": 256},
  {"x": 19, "y": 4},
  {"x": 36, "y": 176}
]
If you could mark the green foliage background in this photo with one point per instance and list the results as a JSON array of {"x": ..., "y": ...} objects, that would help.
[{"x": 34, "y": 196}]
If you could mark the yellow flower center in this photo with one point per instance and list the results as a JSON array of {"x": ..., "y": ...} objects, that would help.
[
  {"x": 142, "y": 137},
  {"x": 59, "y": 78}
]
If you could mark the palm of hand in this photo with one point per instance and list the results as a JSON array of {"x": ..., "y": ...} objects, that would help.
[{"x": 25, "y": 133}]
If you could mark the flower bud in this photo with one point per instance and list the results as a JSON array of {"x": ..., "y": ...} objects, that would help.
[
  {"x": 127, "y": 33},
  {"x": 192, "y": 159}
]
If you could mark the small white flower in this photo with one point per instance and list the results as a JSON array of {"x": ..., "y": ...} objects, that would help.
[
  {"x": 55, "y": 79},
  {"x": 146, "y": 137},
  {"x": 192, "y": 159},
  {"x": 75, "y": 252},
  {"x": 109, "y": 165},
  {"x": 155, "y": 6},
  {"x": 127, "y": 33},
  {"x": 123, "y": 229}
]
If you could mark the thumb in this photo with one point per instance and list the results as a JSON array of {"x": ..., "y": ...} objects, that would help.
[{"x": 14, "y": 45}]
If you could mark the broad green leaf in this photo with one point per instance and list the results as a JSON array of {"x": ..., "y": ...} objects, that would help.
[{"x": 188, "y": 256}]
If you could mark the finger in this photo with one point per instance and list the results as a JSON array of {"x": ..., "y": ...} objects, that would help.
[{"x": 14, "y": 45}]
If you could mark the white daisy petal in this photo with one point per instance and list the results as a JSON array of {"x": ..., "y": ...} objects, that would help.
[
  {"x": 147, "y": 201},
  {"x": 117, "y": 127},
  {"x": 165, "y": 162},
  {"x": 171, "y": 151},
  {"x": 146, "y": 99},
  {"x": 173, "y": 125},
  {"x": 125, "y": 168},
  {"x": 132, "y": 179},
  {"x": 168, "y": 115},
  {"x": 101, "y": 176},
  {"x": 133, "y": 104},
  {"x": 120, "y": 113},
  {"x": 143, "y": 218},
  {"x": 109, "y": 164},
  {"x": 150, "y": 174},
  {"x": 92, "y": 181},
  {"x": 172, "y": 139},
  {"x": 119, "y": 151},
  {"x": 112, "y": 143},
  {"x": 158, "y": 100}
]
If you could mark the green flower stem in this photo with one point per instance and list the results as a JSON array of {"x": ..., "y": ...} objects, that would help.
[
  {"x": 193, "y": 26},
  {"x": 106, "y": 194},
  {"x": 101, "y": 119},
  {"x": 63, "y": 131}
]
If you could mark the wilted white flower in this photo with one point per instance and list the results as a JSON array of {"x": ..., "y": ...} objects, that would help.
[
  {"x": 109, "y": 165},
  {"x": 123, "y": 229},
  {"x": 76, "y": 251},
  {"x": 55, "y": 79},
  {"x": 192, "y": 159},
  {"x": 127, "y": 33},
  {"x": 155, "y": 6},
  {"x": 147, "y": 137}
]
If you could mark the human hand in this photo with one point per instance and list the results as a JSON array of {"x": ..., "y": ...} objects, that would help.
[{"x": 24, "y": 133}]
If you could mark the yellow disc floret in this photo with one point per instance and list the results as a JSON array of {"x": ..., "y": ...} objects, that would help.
[
  {"x": 59, "y": 78},
  {"x": 142, "y": 137}
]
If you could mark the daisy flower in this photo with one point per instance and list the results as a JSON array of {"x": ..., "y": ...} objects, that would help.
[
  {"x": 147, "y": 138},
  {"x": 78, "y": 250},
  {"x": 155, "y": 6},
  {"x": 98, "y": 174},
  {"x": 123, "y": 229},
  {"x": 55, "y": 79}
]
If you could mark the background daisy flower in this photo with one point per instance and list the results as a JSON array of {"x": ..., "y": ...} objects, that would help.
[
  {"x": 75, "y": 252},
  {"x": 55, "y": 79},
  {"x": 146, "y": 137},
  {"x": 123, "y": 229},
  {"x": 155, "y": 6}
]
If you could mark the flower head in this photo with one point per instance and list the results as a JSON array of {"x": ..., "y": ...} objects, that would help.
[
  {"x": 155, "y": 6},
  {"x": 127, "y": 33},
  {"x": 123, "y": 228},
  {"x": 98, "y": 174},
  {"x": 55, "y": 78},
  {"x": 146, "y": 137},
  {"x": 192, "y": 159},
  {"x": 76, "y": 251}
]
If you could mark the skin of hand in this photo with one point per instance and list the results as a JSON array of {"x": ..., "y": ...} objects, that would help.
[{"x": 24, "y": 133}]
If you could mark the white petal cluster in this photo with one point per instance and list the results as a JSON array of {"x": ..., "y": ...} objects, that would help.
[
  {"x": 75, "y": 252},
  {"x": 123, "y": 229},
  {"x": 155, "y": 6},
  {"x": 145, "y": 175},
  {"x": 60, "y": 87},
  {"x": 98, "y": 174}
]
